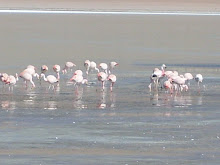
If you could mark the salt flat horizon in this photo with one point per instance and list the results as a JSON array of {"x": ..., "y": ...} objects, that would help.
[{"x": 122, "y": 12}]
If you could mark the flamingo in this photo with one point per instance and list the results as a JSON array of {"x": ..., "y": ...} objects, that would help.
[
  {"x": 56, "y": 69},
  {"x": 157, "y": 75},
  {"x": 11, "y": 81},
  {"x": 112, "y": 65},
  {"x": 78, "y": 79},
  {"x": 78, "y": 72},
  {"x": 51, "y": 79},
  {"x": 3, "y": 77},
  {"x": 168, "y": 85},
  {"x": 68, "y": 66},
  {"x": 102, "y": 76},
  {"x": 44, "y": 69},
  {"x": 112, "y": 79},
  {"x": 90, "y": 65},
  {"x": 179, "y": 81},
  {"x": 104, "y": 67},
  {"x": 188, "y": 77},
  {"x": 31, "y": 70},
  {"x": 199, "y": 79},
  {"x": 27, "y": 77}
]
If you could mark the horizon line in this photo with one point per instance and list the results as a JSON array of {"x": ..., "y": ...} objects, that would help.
[{"x": 110, "y": 12}]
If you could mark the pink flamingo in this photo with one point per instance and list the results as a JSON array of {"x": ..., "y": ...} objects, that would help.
[
  {"x": 90, "y": 65},
  {"x": 112, "y": 65},
  {"x": 3, "y": 77},
  {"x": 11, "y": 81},
  {"x": 168, "y": 85},
  {"x": 102, "y": 76},
  {"x": 112, "y": 79},
  {"x": 44, "y": 69},
  {"x": 51, "y": 79},
  {"x": 31, "y": 70},
  {"x": 179, "y": 81},
  {"x": 78, "y": 72},
  {"x": 56, "y": 69},
  {"x": 27, "y": 77},
  {"x": 68, "y": 66},
  {"x": 78, "y": 79}
]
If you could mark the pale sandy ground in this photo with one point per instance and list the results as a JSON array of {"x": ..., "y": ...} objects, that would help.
[{"x": 116, "y": 5}]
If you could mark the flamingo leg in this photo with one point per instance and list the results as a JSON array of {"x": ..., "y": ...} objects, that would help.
[
  {"x": 103, "y": 85},
  {"x": 33, "y": 85},
  {"x": 111, "y": 86}
]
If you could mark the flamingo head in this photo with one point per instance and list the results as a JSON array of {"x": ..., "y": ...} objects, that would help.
[{"x": 163, "y": 67}]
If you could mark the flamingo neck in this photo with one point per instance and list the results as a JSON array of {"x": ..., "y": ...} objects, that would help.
[
  {"x": 43, "y": 75},
  {"x": 58, "y": 75}
]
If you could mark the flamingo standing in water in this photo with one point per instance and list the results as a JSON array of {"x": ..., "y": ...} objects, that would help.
[
  {"x": 11, "y": 81},
  {"x": 112, "y": 65},
  {"x": 68, "y": 66},
  {"x": 90, "y": 65},
  {"x": 31, "y": 70},
  {"x": 27, "y": 77},
  {"x": 156, "y": 76},
  {"x": 56, "y": 69},
  {"x": 28, "y": 73},
  {"x": 199, "y": 79},
  {"x": 179, "y": 82},
  {"x": 104, "y": 67},
  {"x": 188, "y": 77},
  {"x": 168, "y": 85},
  {"x": 112, "y": 79},
  {"x": 102, "y": 76},
  {"x": 51, "y": 79},
  {"x": 78, "y": 79}
]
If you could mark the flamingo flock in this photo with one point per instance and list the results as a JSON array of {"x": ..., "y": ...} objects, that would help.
[
  {"x": 104, "y": 74},
  {"x": 171, "y": 80},
  {"x": 161, "y": 78}
]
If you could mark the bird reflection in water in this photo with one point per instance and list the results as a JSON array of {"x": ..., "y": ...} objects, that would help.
[
  {"x": 154, "y": 99},
  {"x": 168, "y": 100},
  {"x": 102, "y": 102},
  {"x": 78, "y": 102},
  {"x": 8, "y": 105},
  {"x": 51, "y": 105},
  {"x": 107, "y": 100}
]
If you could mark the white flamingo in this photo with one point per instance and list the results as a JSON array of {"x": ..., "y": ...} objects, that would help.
[
  {"x": 199, "y": 79},
  {"x": 51, "y": 79},
  {"x": 104, "y": 67},
  {"x": 68, "y": 66},
  {"x": 90, "y": 65},
  {"x": 112, "y": 65}
]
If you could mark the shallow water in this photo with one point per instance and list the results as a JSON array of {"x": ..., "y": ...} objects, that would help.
[{"x": 127, "y": 126}]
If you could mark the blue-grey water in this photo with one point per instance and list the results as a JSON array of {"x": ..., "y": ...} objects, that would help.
[{"x": 127, "y": 126}]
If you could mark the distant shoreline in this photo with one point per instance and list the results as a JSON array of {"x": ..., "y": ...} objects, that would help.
[
  {"x": 122, "y": 12},
  {"x": 148, "y": 6}
]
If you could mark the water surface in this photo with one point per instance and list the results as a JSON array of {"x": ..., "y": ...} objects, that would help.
[{"x": 127, "y": 126}]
